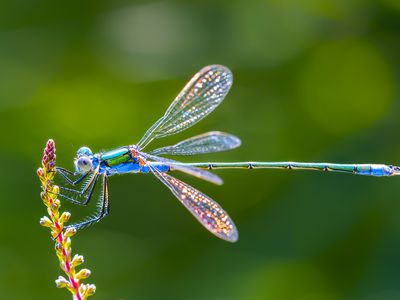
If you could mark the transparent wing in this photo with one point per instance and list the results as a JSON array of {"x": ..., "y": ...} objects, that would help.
[
  {"x": 214, "y": 141},
  {"x": 208, "y": 212},
  {"x": 201, "y": 95},
  {"x": 176, "y": 165}
]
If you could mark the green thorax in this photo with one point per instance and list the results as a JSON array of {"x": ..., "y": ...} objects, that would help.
[{"x": 116, "y": 156}]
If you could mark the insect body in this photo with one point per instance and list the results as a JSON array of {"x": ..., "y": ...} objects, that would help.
[
  {"x": 119, "y": 161},
  {"x": 202, "y": 94}
]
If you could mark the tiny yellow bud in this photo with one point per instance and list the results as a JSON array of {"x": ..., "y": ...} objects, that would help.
[
  {"x": 71, "y": 231},
  {"x": 82, "y": 290},
  {"x": 46, "y": 222},
  {"x": 77, "y": 260},
  {"x": 61, "y": 282},
  {"x": 87, "y": 290},
  {"x": 65, "y": 217},
  {"x": 58, "y": 247},
  {"x": 83, "y": 274},
  {"x": 56, "y": 189},
  {"x": 90, "y": 289}
]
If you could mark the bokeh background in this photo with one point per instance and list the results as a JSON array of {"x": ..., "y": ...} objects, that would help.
[{"x": 314, "y": 80}]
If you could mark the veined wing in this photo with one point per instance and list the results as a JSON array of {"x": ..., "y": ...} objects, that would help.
[
  {"x": 201, "y": 95},
  {"x": 208, "y": 212},
  {"x": 176, "y": 165},
  {"x": 209, "y": 142}
]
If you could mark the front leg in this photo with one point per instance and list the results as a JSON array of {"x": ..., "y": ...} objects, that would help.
[
  {"x": 102, "y": 212},
  {"x": 87, "y": 190},
  {"x": 65, "y": 173}
]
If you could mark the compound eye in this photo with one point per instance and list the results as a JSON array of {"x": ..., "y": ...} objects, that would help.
[
  {"x": 84, "y": 151},
  {"x": 84, "y": 164}
]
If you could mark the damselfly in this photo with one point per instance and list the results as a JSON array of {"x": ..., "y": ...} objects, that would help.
[{"x": 201, "y": 95}]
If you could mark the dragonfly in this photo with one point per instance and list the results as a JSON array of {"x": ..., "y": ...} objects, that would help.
[{"x": 200, "y": 96}]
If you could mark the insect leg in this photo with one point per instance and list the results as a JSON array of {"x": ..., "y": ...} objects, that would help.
[
  {"x": 70, "y": 199},
  {"x": 103, "y": 211},
  {"x": 89, "y": 187},
  {"x": 89, "y": 196},
  {"x": 65, "y": 172}
]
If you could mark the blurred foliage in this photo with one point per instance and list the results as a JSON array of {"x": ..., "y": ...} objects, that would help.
[{"x": 315, "y": 80}]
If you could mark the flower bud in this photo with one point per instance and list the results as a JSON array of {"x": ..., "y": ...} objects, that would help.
[
  {"x": 56, "y": 189},
  {"x": 82, "y": 290},
  {"x": 50, "y": 165},
  {"x": 83, "y": 274},
  {"x": 56, "y": 204},
  {"x": 65, "y": 217},
  {"x": 90, "y": 289},
  {"x": 58, "y": 247},
  {"x": 87, "y": 290},
  {"x": 61, "y": 282},
  {"x": 39, "y": 172},
  {"x": 77, "y": 260},
  {"x": 45, "y": 159},
  {"x": 46, "y": 222},
  {"x": 71, "y": 231}
]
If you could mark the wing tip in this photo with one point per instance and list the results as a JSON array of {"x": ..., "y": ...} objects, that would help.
[
  {"x": 217, "y": 67},
  {"x": 233, "y": 237},
  {"x": 237, "y": 141},
  {"x": 218, "y": 181}
]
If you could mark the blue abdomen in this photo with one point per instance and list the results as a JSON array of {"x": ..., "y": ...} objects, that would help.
[{"x": 374, "y": 170}]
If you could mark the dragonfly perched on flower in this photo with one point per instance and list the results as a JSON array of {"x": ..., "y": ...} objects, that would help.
[{"x": 201, "y": 95}]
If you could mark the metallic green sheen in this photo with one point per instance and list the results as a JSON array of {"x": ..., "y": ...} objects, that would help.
[
  {"x": 117, "y": 156},
  {"x": 118, "y": 160}
]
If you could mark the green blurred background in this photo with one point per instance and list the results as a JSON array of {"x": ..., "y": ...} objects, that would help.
[{"x": 316, "y": 81}]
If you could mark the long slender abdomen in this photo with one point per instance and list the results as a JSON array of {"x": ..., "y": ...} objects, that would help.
[{"x": 377, "y": 170}]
